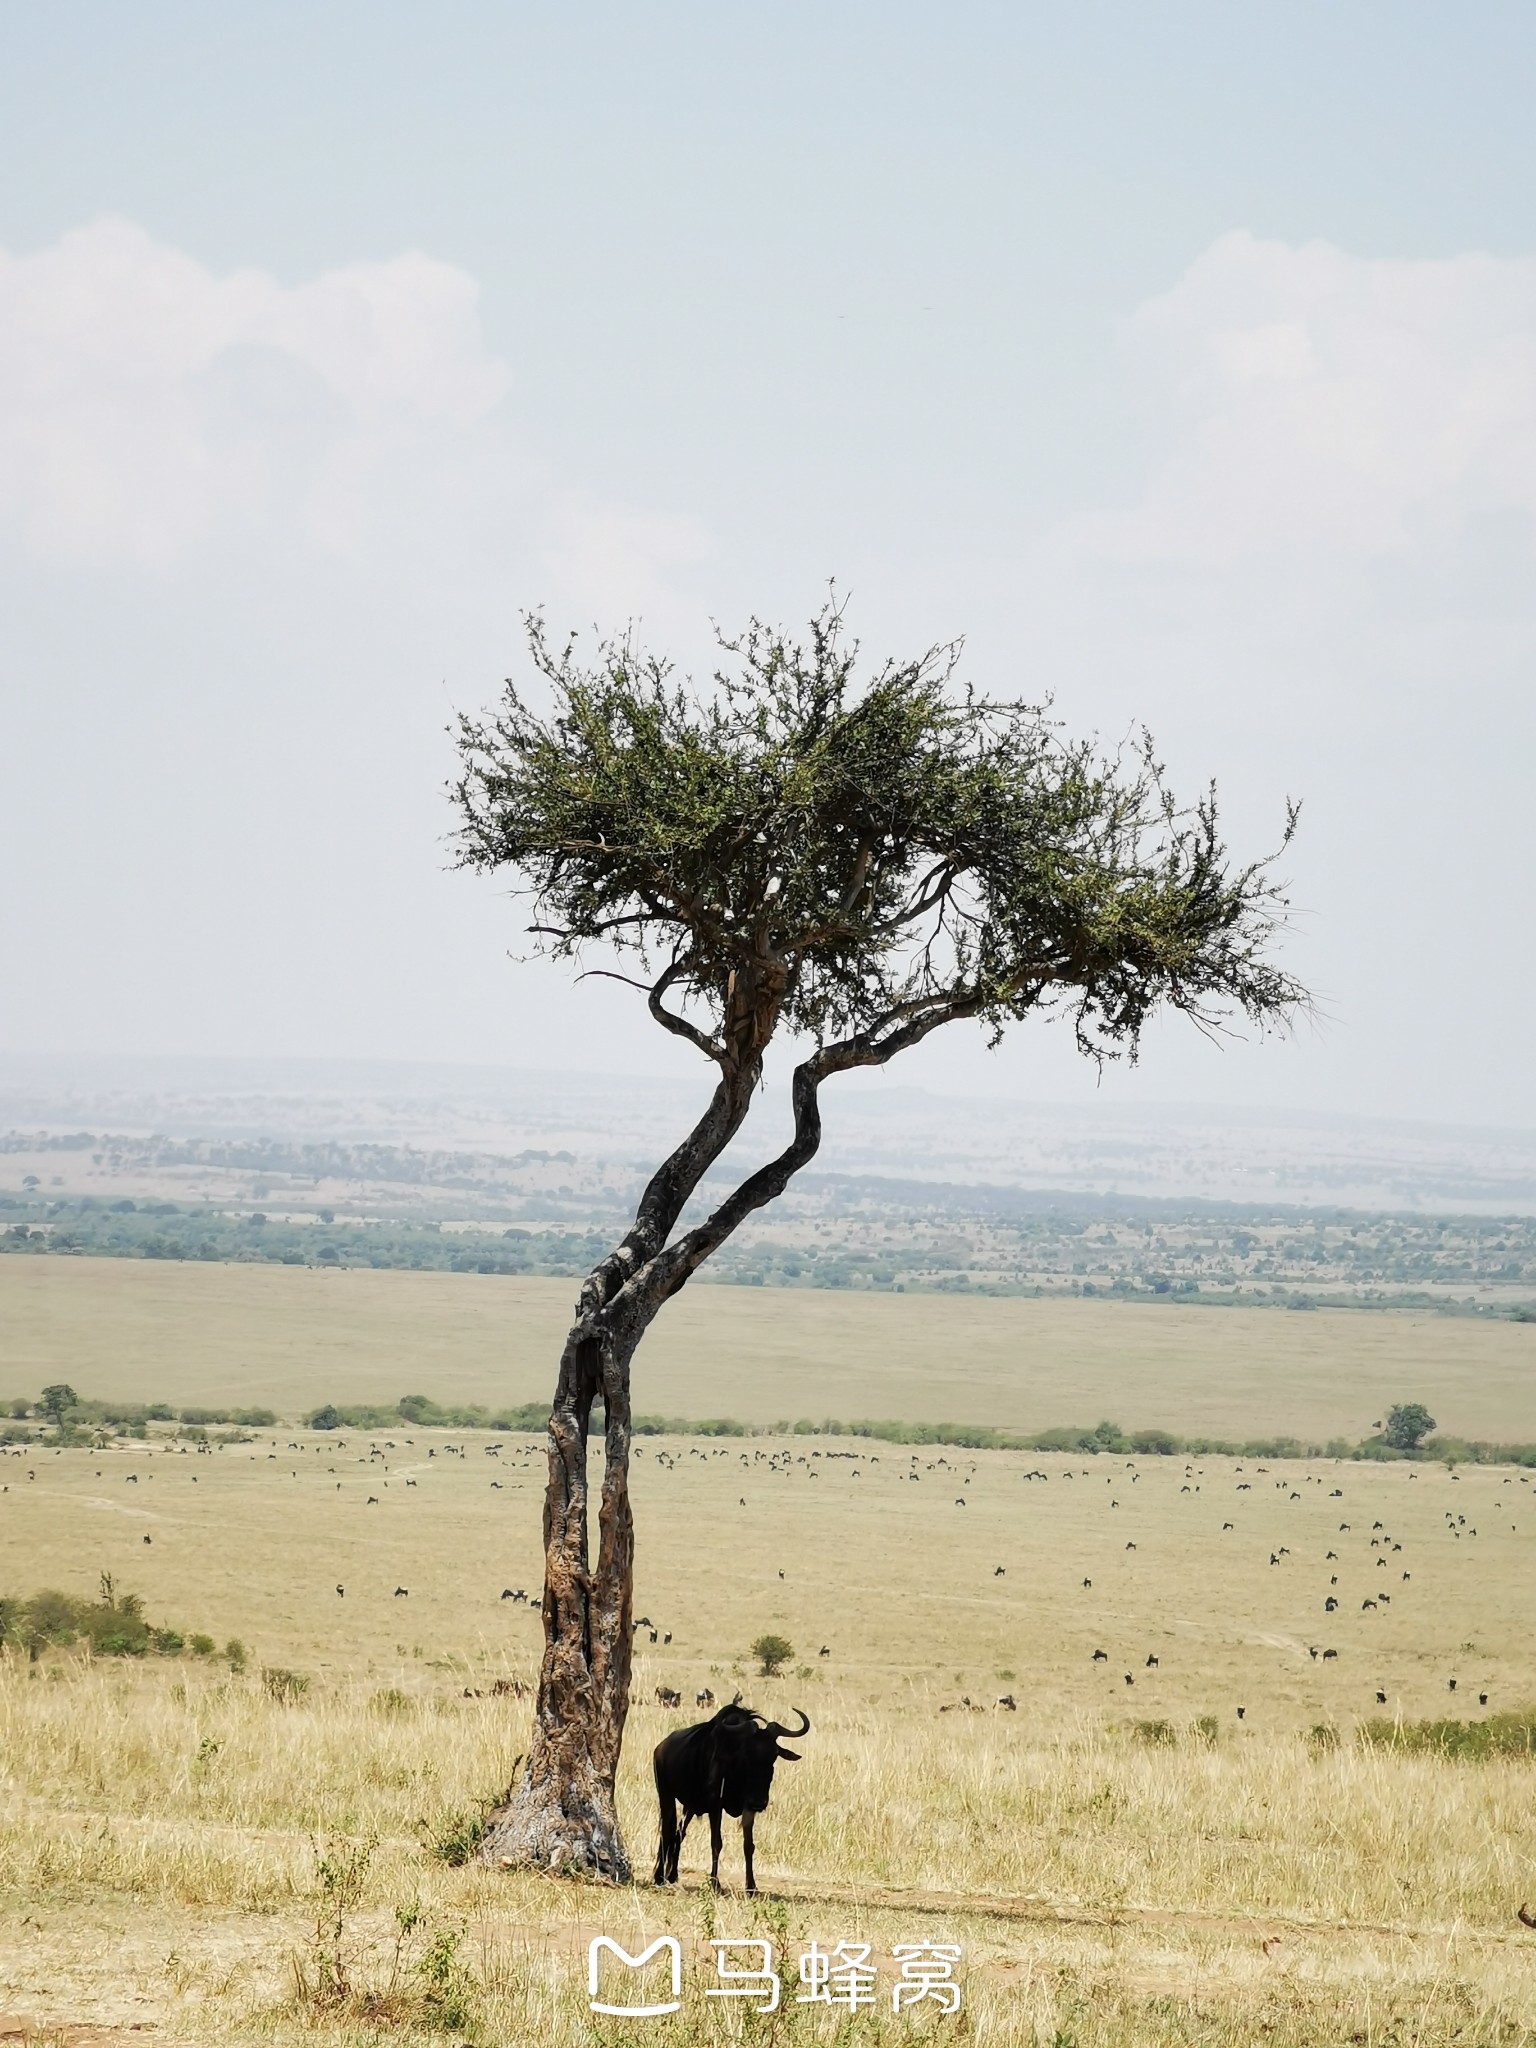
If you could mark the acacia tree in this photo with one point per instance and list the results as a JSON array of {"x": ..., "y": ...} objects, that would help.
[{"x": 795, "y": 854}]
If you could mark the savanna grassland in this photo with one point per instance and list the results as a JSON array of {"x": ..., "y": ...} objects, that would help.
[
  {"x": 1120, "y": 1863},
  {"x": 290, "y": 1337}
]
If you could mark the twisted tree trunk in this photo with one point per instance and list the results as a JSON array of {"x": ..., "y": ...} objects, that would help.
[{"x": 562, "y": 1815}]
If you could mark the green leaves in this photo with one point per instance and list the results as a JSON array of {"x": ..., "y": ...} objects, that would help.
[{"x": 849, "y": 859}]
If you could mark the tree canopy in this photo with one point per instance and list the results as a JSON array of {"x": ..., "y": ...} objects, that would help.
[
  {"x": 873, "y": 857},
  {"x": 1407, "y": 1425}
]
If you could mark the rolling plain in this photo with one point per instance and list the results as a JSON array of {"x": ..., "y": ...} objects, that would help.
[{"x": 1215, "y": 1851}]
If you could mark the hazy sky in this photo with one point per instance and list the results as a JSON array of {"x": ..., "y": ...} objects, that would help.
[{"x": 1182, "y": 358}]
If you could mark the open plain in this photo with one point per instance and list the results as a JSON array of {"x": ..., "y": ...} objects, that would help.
[
  {"x": 290, "y": 1337},
  {"x": 1186, "y": 1839}
]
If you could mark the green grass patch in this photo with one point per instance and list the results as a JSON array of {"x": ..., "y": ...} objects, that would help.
[{"x": 1500, "y": 1735}]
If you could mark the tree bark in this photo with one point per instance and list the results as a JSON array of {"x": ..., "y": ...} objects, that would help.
[{"x": 562, "y": 1816}]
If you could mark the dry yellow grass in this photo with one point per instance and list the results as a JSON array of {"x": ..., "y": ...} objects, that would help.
[
  {"x": 159, "y": 1823},
  {"x": 289, "y": 1337}
]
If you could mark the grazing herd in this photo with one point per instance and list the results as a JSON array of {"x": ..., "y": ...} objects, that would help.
[{"x": 725, "y": 1763}]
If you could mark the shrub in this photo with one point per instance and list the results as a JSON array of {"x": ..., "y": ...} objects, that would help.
[
  {"x": 111, "y": 1626},
  {"x": 455, "y": 1835},
  {"x": 1501, "y": 1735},
  {"x": 1206, "y": 1729},
  {"x": 1322, "y": 1737},
  {"x": 1155, "y": 1734},
  {"x": 234, "y": 1651},
  {"x": 771, "y": 1652},
  {"x": 201, "y": 1646},
  {"x": 283, "y": 1685}
]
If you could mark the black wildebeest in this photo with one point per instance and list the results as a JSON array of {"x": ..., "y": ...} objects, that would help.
[{"x": 723, "y": 1765}]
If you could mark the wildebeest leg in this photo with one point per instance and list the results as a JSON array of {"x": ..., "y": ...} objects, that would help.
[
  {"x": 746, "y": 1846},
  {"x": 677, "y": 1844},
  {"x": 714, "y": 1847},
  {"x": 667, "y": 1848}
]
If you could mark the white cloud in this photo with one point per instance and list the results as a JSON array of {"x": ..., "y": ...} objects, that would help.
[
  {"x": 146, "y": 403},
  {"x": 1316, "y": 402}
]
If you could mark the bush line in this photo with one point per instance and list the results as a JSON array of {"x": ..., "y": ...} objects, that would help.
[{"x": 419, "y": 1411}]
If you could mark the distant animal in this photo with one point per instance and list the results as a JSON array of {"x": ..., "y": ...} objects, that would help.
[
  {"x": 1151, "y": 1664},
  {"x": 1329, "y": 1604},
  {"x": 666, "y": 1697},
  {"x": 653, "y": 1635},
  {"x": 1101, "y": 1656},
  {"x": 146, "y": 1539},
  {"x": 1381, "y": 1698},
  {"x": 723, "y": 1765},
  {"x": 504, "y": 1686},
  {"x": 1087, "y": 1582},
  {"x": 1128, "y": 1679},
  {"x": 704, "y": 1699},
  {"x": 1366, "y": 1603},
  {"x": 1452, "y": 1685},
  {"x": 999, "y": 1571},
  {"x": 1009, "y": 1702},
  {"x": 342, "y": 1591},
  {"x": 1228, "y": 1525},
  {"x": 1240, "y": 1712},
  {"x": 1482, "y": 1699},
  {"x": 1329, "y": 1653},
  {"x": 402, "y": 1592},
  {"x": 667, "y": 1637},
  {"x": 823, "y": 1651}
]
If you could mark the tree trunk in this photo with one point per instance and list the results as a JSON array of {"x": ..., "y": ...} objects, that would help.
[{"x": 562, "y": 1816}]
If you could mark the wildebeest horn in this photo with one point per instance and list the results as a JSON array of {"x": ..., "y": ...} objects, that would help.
[
  {"x": 1526, "y": 1919},
  {"x": 793, "y": 1733}
]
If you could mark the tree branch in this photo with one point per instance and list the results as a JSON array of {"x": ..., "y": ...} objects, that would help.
[{"x": 669, "y": 1020}]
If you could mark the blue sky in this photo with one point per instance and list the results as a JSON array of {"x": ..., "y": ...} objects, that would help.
[{"x": 1183, "y": 359}]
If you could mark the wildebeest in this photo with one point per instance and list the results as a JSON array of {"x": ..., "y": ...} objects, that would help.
[
  {"x": 723, "y": 1765},
  {"x": 666, "y": 1697},
  {"x": 704, "y": 1699}
]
